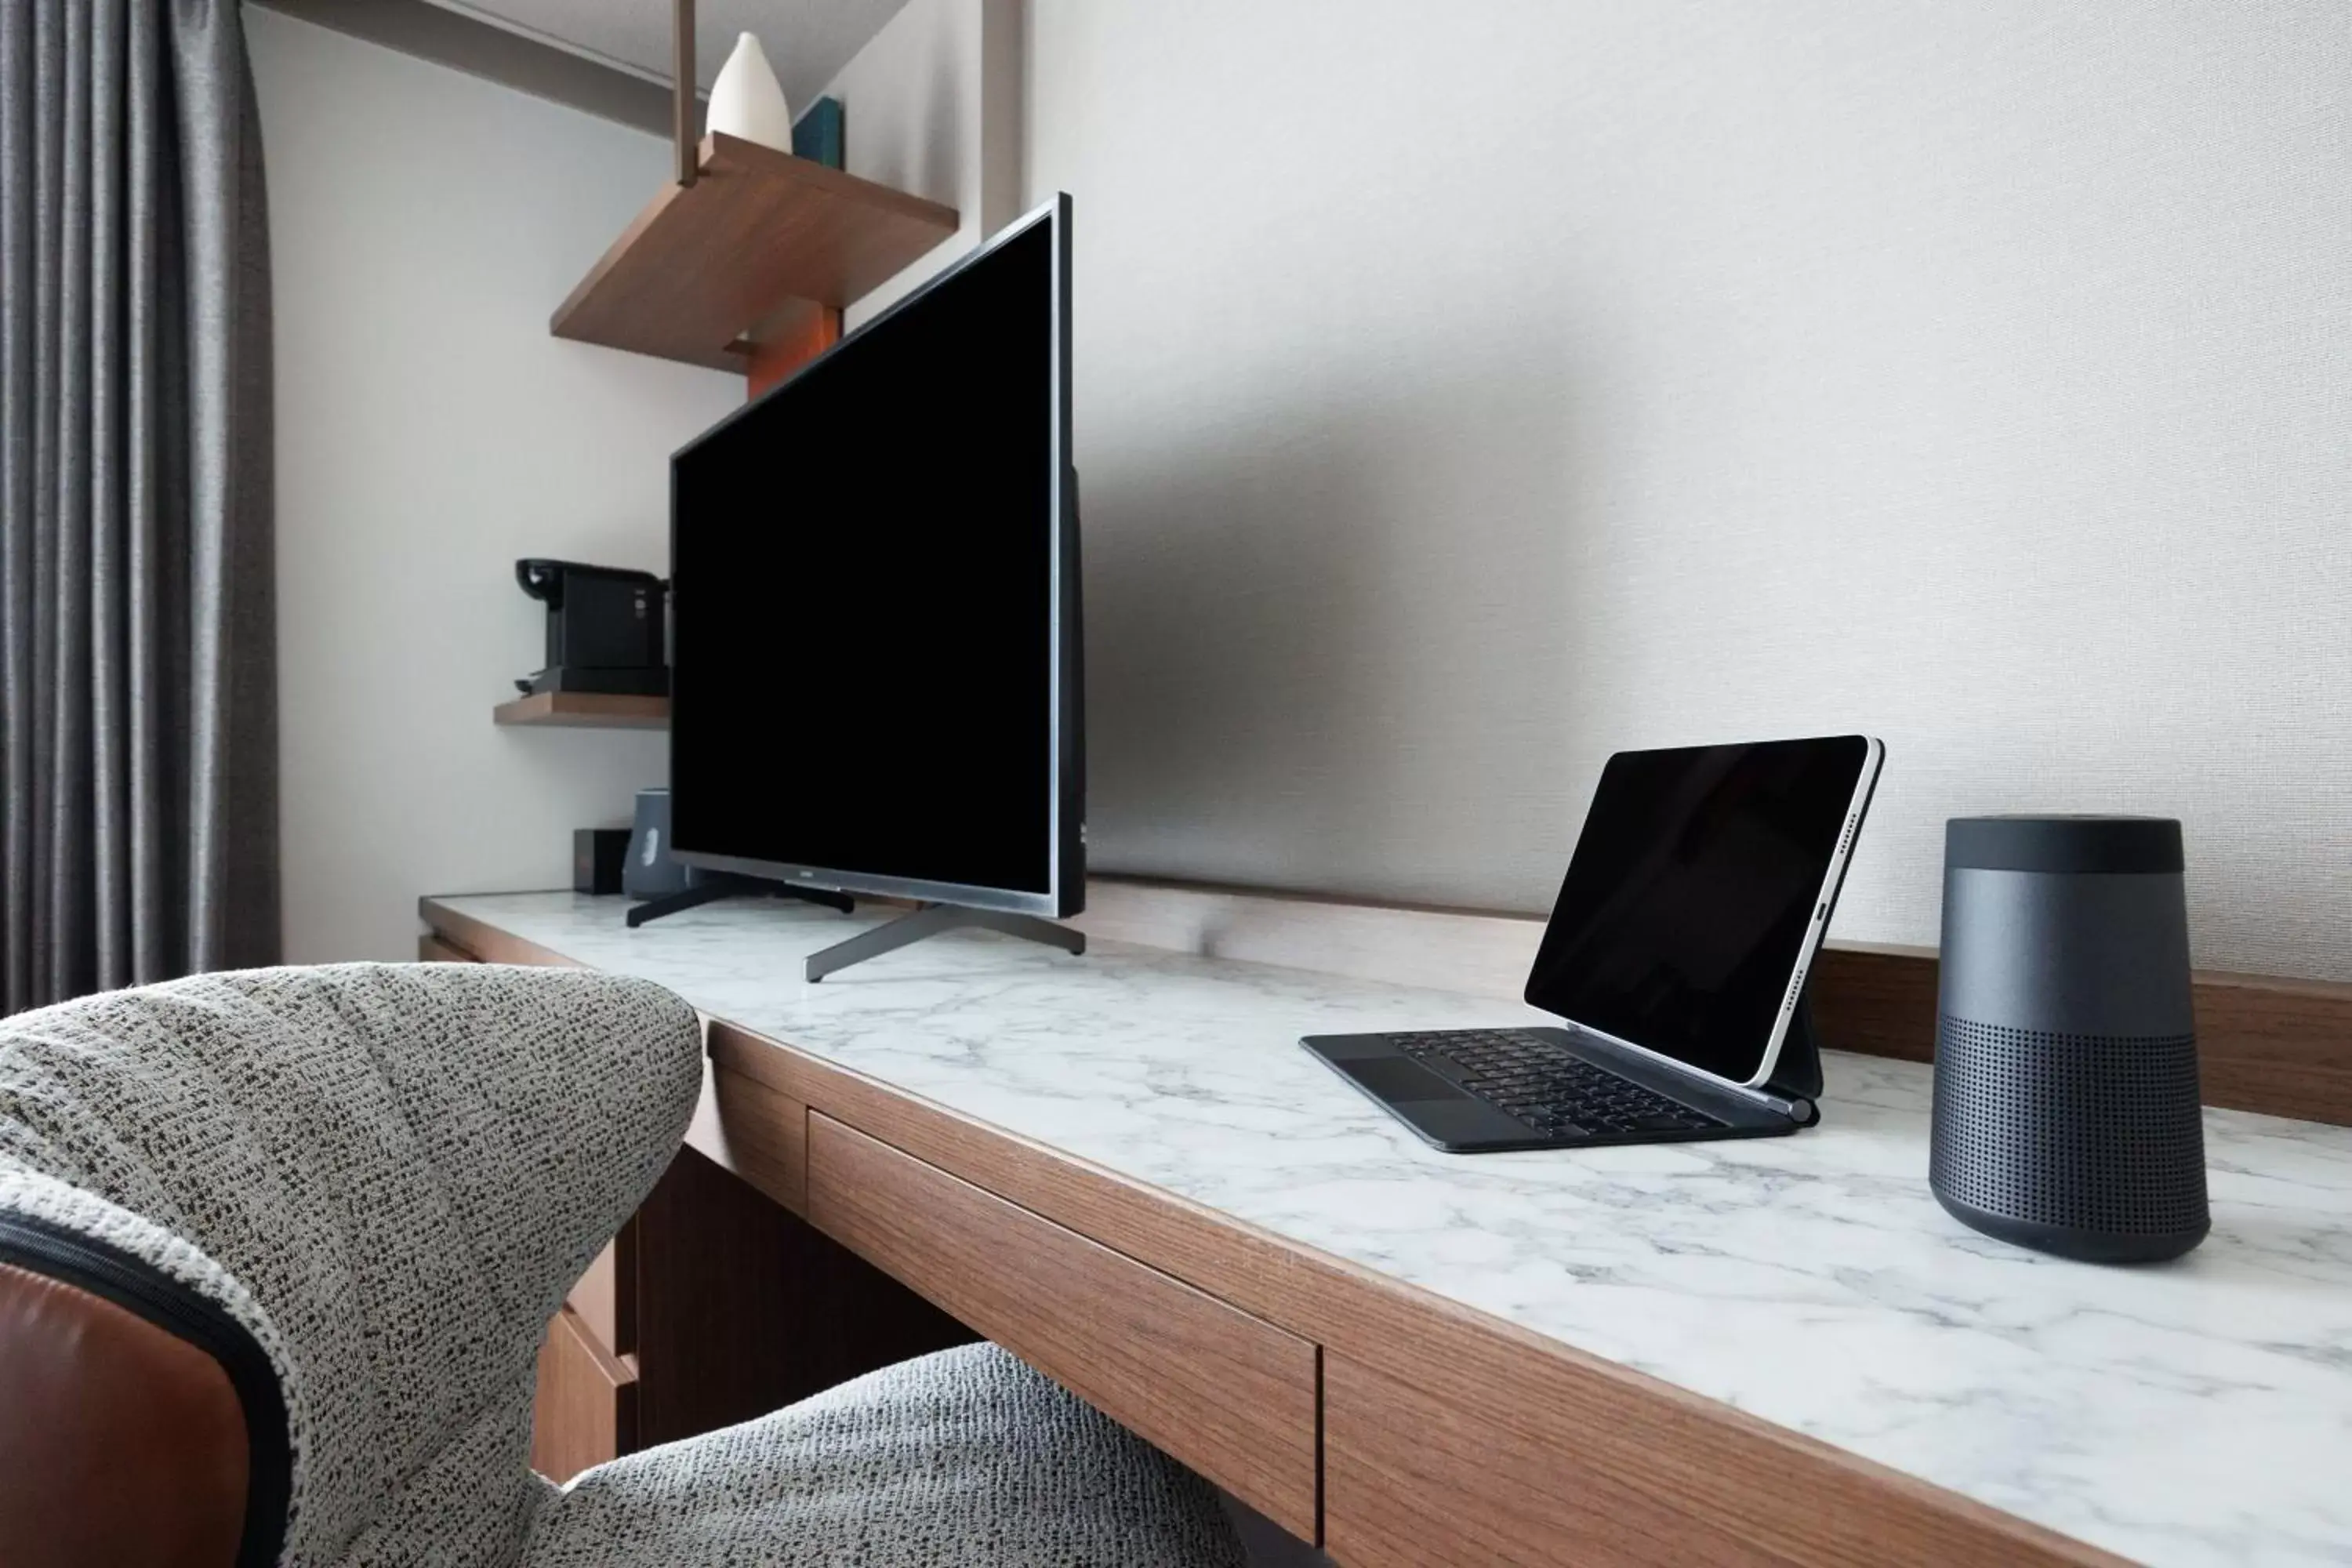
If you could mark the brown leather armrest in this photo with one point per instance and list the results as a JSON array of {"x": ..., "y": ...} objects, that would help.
[{"x": 120, "y": 1444}]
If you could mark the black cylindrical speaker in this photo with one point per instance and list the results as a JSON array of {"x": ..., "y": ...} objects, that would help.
[{"x": 2067, "y": 1113}]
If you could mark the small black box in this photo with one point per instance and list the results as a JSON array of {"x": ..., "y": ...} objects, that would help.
[{"x": 597, "y": 856}]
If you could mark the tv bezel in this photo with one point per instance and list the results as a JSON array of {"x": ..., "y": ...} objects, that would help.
[{"x": 1064, "y": 892}]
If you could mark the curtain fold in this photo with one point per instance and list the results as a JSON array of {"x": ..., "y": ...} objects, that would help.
[{"x": 138, "y": 678}]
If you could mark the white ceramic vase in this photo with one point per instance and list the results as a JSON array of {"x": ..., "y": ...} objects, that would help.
[{"x": 747, "y": 101}]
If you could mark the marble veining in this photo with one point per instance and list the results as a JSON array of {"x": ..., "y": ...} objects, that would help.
[{"x": 2198, "y": 1412}]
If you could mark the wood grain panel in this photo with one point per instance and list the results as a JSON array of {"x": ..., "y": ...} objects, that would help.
[
  {"x": 744, "y": 1306},
  {"x": 1231, "y": 1395},
  {"x": 1519, "y": 1461},
  {"x": 756, "y": 1132},
  {"x": 433, "y": 950},
  {"x": 584, "y": 710},
  {"x": 485, "y": 941},
  {"x": 2283, "y": 1046},
  {"x": 2280, "y": 1046},
  {"x": 1877, "y": 1000},
  {"x": 1259, "y": 1273},
  {"x": 605, "y": 1296},
  {"x": 702, "y": 263},
  {"x": 586, "y": 1408}
]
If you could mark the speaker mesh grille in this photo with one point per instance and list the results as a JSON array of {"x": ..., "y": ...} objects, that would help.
[{"x": 2094, "y": 1132}]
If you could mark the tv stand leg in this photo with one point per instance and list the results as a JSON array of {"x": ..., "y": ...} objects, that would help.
[
  {"x": 930, "y": 922},
  {"x": 717, "y": 887}
]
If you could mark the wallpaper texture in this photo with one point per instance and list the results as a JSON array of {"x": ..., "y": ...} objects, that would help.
[{"x": 1466, "y": 394}]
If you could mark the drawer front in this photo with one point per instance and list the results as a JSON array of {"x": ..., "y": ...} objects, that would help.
[
  {"x": 1417, "y": 1481},
  {"x": 585, "y": 1410},
  {"x": 1525, "y": 1460},
  {"x": 1230, "y": 1395},
  {"x": 606, "y": 1296},
  {"x": 755, "y": 1132}
]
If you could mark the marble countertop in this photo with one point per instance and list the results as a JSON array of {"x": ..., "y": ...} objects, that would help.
[{"x": 2198, "y": 1412}]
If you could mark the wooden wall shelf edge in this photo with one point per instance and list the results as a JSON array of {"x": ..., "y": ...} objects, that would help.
[
  {"x": 584, "y": 710},
  {"x": 706, "y": 263}
]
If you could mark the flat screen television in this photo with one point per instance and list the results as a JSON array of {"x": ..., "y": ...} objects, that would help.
[{"x": 877, "y": 679}]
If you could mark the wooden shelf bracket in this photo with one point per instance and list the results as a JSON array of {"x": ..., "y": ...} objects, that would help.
[{"x": 681, "y": 92}]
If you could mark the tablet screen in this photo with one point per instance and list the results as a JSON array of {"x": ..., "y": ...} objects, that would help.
[{"x": 1692, "y": 894}]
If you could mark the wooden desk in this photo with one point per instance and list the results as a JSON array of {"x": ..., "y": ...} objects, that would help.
[{"x": 1122, "y": 1169}]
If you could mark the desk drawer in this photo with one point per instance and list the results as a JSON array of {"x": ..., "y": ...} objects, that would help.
[
  {"x": 585, "y": 1409},
  {"x": 755, "y": 1132},
  {"x": 605, "y": 1296},
  {"x": 1525, "y": 1459},
  {"x": 1418, "y": 1480},
  {"x": 1230, "y": 1395}
]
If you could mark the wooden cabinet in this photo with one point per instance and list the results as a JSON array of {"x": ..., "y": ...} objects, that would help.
[
  {"x": 743, "y": 1307},
  {"x": 1229, "y": 1394},
  {"x": 755, "y": 1130},
  {"x": 753, "y": 231},
  {"x": 606, "y": 1296},
  {"x": 585, "y": 1411}
]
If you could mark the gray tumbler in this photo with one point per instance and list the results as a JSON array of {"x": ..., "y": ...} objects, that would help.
[{"x": 650, "y": 872}]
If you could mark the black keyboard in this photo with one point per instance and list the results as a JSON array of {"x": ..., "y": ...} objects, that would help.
[{"x": 1550, "y": 1089}]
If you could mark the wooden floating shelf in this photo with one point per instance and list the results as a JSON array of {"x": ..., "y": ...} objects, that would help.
[
  {"x": 756, "y": 232},
  {"x": 585, "y": 710}
]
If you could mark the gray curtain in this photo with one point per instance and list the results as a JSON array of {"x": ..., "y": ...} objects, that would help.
[{"x": 137, "y": 622}]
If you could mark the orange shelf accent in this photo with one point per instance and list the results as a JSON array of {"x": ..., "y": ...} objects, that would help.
[{"x": 585, "y": 710}]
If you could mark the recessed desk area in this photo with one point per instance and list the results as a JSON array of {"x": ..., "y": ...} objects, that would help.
[{"x": 1124, "y": 1168}]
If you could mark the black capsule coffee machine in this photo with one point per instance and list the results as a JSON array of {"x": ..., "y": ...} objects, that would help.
[{"x": 604, "y": 629}]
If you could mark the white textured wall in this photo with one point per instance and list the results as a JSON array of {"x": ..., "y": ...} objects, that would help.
[
  {"x": 423, "y": 226},
  {"x": 1467, "y": 391},
  {"x": 932, "y": 105}
]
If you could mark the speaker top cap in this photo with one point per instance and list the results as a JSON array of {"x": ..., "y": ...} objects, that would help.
[{"x": 2149, "y": 845}]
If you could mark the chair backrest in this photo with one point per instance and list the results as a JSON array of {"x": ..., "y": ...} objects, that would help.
[
  {"x": 375, "y": 1182},
  {"x": 121, "y": 1441}
]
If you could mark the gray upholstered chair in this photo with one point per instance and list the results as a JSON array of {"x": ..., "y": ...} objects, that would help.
[{"x": 276, "y": 1249}]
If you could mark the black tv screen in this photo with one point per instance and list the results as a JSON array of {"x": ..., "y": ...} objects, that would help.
[{"x": 875, "y": 682}]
